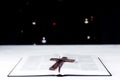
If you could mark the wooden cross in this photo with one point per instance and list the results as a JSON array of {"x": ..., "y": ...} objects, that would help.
[{"x": 59, "y": 62}]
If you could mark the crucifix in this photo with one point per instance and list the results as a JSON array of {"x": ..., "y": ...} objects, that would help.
[{"x": 59, "y": 62}]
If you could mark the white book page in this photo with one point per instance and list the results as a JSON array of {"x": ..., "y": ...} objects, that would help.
[
  {"x": 34, "y": 65},
  {"x": 83, "y": 65}
]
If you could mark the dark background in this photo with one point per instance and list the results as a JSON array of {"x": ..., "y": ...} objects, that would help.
[{"x": 17, "y": 16}]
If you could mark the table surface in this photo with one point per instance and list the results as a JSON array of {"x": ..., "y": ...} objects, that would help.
[{"x": 10, "y": 54}]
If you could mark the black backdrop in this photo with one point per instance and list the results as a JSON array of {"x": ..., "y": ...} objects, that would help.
[{"x": 59, "y": 22}]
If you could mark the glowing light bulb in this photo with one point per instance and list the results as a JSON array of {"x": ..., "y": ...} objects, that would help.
[
  {"x": 54, "y": 24},
  {"x": 34, "y": 23},
  {"x": 88, "y": 37},
  {"x": 86, "y": 21},
  {"x": 44, "y": 40}
]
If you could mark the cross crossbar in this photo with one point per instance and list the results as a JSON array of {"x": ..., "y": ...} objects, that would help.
[{"x": 59, "y": 62}]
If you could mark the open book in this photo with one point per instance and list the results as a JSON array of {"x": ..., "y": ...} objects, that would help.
[{"x": 81, "y": 65}]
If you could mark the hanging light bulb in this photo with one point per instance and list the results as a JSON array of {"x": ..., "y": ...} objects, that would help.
[
  {"x": 33, "y": 23},
  {"x": 43, "y": 40},
  {"x": 88, "y": 37},
  {"x": 86, "y": 21}
]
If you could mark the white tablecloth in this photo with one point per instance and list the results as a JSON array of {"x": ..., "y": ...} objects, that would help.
[{"x": 10, "y": 54}]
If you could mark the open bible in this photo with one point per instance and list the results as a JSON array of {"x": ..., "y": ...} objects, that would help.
[{"x": 55, "y": 65}]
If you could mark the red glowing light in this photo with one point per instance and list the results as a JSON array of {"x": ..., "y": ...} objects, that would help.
[
  {"x": 92, "y": 18},
  {"x": 54, "y": 23}
]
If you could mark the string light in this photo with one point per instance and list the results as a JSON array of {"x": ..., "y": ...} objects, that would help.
[
  {"x": 33, "y": 23},
  {"x": 86, "y": 21},
  {"x": 43, "y": 40},
  {"x": 88, "y": 37},
  {"x": 54, "y": 24}
]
